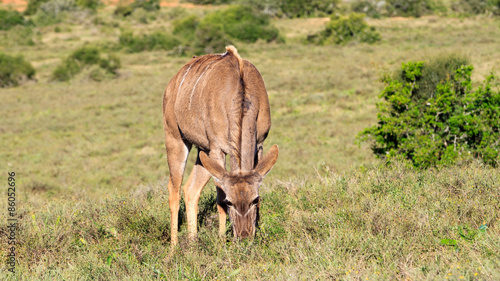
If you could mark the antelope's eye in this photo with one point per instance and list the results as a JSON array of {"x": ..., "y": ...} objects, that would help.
[
  {"x": 256, "y": 200},
  {"x": 228, "y": 203}
]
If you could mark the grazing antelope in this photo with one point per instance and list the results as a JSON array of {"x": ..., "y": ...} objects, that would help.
[{"x": 219, "y": 104}]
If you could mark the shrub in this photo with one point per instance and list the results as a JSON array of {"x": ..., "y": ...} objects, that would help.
[
  {"x": 186, "y": 27},
  {"x": 14, "y": 70},
  {"x": 242, "y": 23},
  {"x": 83, "y": 57},
  {"x": 123, "y": 10},
  {"x": 373, "y": 9},
  {"x": 476, "y": 7},
  {"x": 146, "y": 5},
  {"x": 294, "y": 8},
  {"x": 53, "y": 11},
  {"x": 220, "y": 28},
  {"x": 300, "y": 8},
  {"x": 437, "y": 126},
  {"x": 342, "y": 29},
  {"x": 9, "y": 19},
  {"x": 33, "y": 6},
  {"x": 405, "y": 8},
  {"x": 409, "y": 8},
  {"x": 210, "y": 38},
  {"x": 147, "y": 42},
  {"x": 54, "y": 7},
  {"x": 210, "y": 2},
  {"x": 88, "y": 4},
  {"x": 436, "y": 70}
]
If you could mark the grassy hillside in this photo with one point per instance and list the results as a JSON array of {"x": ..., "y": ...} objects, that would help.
[
  {"x": 91, "y": 167},
  {"x": 383, "y": 223}
]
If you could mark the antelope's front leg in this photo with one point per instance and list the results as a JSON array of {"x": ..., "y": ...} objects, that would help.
[
  {"x": 192, "y": 191},
  {"x": 222, "y": 212},
  {"x": 177, "y": 153}
]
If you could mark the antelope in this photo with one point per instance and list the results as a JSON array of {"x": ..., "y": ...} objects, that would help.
[{"x": 219, "y": 104}]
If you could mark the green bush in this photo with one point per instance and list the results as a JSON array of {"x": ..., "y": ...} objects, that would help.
[
  {"x": 300, "y": 8},
  {"x": 89, "y": 4},
  {"x": 53, "y": 12},
  {"x": 371, "y": 8},
  {"x": 14, "y": 70},
  {"x": 83, "y": 57},
  {"x": 146, "y": 5},
  {"x": 476, "y": 7},
  {"x": 210, "y": 38},
  {"x": 437, "y": 125},
  {"x": 186, "y": 27},
  {"x": 343, "y": 29},
  {"x": 9, "y": 19},
  {"x": 147, "y": 42},
  {"x": 210, "y": 2},
  {"x": 54, "y": 7},
  {"x": 33, "y": 6},
  {"x": 436, "y": 70},
  {"x": 294, "y": 8},
  {"x": 218, "y": 29},
  {"x": 123, "y": 10},
  {"x": 242, "y": 23},
  {"x": 391, "y": 8},
  {"x": 409, "y": 8}
]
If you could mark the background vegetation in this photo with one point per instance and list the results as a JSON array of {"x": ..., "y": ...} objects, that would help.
[
  {"x": 342, "y": 29},
  {"x": 84, "y": 57},
  {"x": 13, "y": 70},
  {"x": 91, "y": 166},
  {"x": 431, "y": 114}
]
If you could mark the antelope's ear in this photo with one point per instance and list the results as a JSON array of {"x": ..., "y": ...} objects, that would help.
[
  {"x": 216, "y": 170},
  {"x": 266, "y": 164}
]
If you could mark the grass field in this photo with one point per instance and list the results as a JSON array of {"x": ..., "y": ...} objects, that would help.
[{"x": 91, "y": 167}]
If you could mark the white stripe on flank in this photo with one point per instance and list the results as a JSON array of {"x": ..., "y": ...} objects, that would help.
[
  {"x": 182, "y": 81},
  {"x": 194, "y": 87}
]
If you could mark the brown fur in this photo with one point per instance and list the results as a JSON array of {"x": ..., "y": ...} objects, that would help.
[{"x": 218, "y": 103}]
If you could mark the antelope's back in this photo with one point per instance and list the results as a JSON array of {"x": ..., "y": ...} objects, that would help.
[{"x": 208, "y": 97}]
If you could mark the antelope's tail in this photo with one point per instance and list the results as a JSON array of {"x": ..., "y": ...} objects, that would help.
[{"x": 232, "y": 51}]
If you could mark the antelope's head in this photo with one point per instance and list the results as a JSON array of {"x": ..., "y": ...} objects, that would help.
[{"x": 241, "y": 190}]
